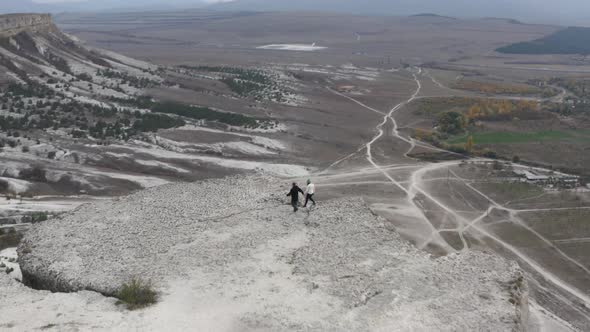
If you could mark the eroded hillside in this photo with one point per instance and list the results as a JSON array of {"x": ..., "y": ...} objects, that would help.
[{"x": 81, "y": 121}]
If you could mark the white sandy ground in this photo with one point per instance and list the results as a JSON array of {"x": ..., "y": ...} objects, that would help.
[
  {"x": 144, "y": 181},
  {"x": 244, "y": 148},
  {"x": 55, "y": 204},
  {"x": 292, "y": 47},
  {"x": 284, "y": 170},
  {"x": 16, "y": 185},
  {"x": 127, "y": 60},
  {"x": 239, "y": 259},
  {"x": 346, "y": 72},
  {"x": 543, "y": 321},
  {"x": 253, "y": 148},
  {"x": 266, "y": 142},
  {"x": 155, "y": 163}
]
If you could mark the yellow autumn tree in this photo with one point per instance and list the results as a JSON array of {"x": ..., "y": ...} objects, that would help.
[
  {"x": 505, "y": 107},
  {"x": 469, "y": 144},
  {"x": 421, "y": 134},
  {"x": 474, "y": 112}
]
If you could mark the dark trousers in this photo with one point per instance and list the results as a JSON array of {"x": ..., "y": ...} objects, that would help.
[
  {"x": 294, "y": 205},
  {"x": 308, "y": 198}
]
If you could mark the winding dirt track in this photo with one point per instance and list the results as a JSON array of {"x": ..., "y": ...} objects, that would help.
[{"x": 418, "y": 194}]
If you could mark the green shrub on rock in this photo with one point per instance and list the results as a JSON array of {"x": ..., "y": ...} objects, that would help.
[{"x": 137, "y": 294}]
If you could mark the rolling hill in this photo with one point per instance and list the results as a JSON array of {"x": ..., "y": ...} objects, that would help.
[{"x": 573, "y": 40}]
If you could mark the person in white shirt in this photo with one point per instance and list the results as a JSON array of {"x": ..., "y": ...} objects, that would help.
[{"x": 310, "y": 190}]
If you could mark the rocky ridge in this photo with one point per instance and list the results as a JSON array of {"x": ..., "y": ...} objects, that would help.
[
  {"x": 232, "y": 250},
  {"x": 13, "y": 24}
]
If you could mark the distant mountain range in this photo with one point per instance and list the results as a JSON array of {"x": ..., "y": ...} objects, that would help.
[{"x": 570, "y": 12}]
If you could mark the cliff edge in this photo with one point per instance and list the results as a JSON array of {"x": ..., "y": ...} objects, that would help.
[
  {"x": 13, "y": 24},
  {"x": 229, "y": 254}
]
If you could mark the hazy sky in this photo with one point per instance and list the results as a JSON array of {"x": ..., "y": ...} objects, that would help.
[
  {"x": 66, "y": 1},
  {"x": 564, "y": 12}
]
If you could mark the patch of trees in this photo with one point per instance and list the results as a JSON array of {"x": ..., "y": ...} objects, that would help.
[
  {"x": 576, "y": 104},
  {"x": 505, "y": 110},
  {"x": 246, "y": 82},
  {"x": 493, "y": 88},
  {"x": 85, "y": 120},
  {"x": 452, "y": 123},
  {"x": 242, "y": 87},
  {"x": 29, "y": 90},
  {"x": 484, "y": 109},
  {"x": 84, "y": 77},
  {"x": 196, "y": 112},
  {"x": 579, "y": 87},
  {"x": 204, "y": 113},
  {"x": 141, "y": 102},
  {"x": 12, "y": 123},
  {"x": 34, "y": 173},
  {"x": 138, "y": 82},
  {"x": 153, "y": 122},
  {"x": 572, "y": 106},
  {"x": 253, "y": 75},
  {"x": 58, "y": 62}
]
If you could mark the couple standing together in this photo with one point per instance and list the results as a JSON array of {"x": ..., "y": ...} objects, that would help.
[{"x": 294, "y": 193}]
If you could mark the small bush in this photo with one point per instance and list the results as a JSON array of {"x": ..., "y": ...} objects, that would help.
[
  {"x": 137, "y": 294},
  {"x": 35, "y": 173},
  {"x": 39, "y": 217},
  {"x": 457, "y": 149},
  {"x": 4, "y": 187},
  {"x": 491, "y": 155}
]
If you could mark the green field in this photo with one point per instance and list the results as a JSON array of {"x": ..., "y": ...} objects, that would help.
[{"x": 515, "y": 137}]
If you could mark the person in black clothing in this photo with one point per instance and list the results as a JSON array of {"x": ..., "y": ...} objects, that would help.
[{"x": 294, "y": 193}]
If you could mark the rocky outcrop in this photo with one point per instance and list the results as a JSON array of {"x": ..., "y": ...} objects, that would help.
[
  {"x": 13, "y": 24},
  {"x": 233, "y": 249}
]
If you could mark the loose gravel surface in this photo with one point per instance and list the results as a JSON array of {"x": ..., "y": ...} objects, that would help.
[{"x": 230, "y": 255}]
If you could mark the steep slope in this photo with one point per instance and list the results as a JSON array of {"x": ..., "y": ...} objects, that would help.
[
  {"x": 225, "y": 260},
  {"x": 78, "y": 120},
  {"x": 57, "y": 98}
]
